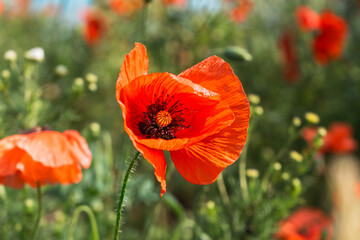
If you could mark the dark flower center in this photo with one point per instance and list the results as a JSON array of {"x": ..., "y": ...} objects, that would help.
[{"x": 162, "y": 119}]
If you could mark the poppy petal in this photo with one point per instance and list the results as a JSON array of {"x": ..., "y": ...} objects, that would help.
[
  {"x": 14, "y": 181},
  {"x": 50, "y": 148},
  {"x": 216, "y": 75},
  {"x": 80, "y": 149},
  {"x": 10, "y": 154},
  {"x": 136, "y": 64},
  {"x": 157, "y": 159},
  {"x": 204, "y": 113}
]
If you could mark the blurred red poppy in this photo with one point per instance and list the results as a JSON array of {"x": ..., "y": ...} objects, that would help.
[
  {"x": 289, "y": 56},
  {"x": 94, "y": 26},
  {"x": 329, "y": 44},
  {"x": 1, "y": 7},
  {"x": 124, "y": 7},
  {"x": 21, "y": 7},
  {"x": 242, "y": 10},
  {"x": 47, "y": 157},
  {"x": 200, "y": 116},
  {"x": 307, "y": 19},
  {"x": 305, "y": 224},
  {"x": 339, "y": 138},
  {"x": 180, "y": 3}
]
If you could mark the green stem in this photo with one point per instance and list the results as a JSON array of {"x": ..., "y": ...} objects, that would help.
[
  {"x": 222, "y": 189},
  {"x": 242, "y": 173},
  {"x": 90, "y": 213},
  {"x": 122, "y": 195},
  {"x": 37, "y": 221}
]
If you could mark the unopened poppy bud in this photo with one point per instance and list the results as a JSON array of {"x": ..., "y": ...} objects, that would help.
[
  {"x": 210, "y": 205},
  {"x": 10, "y": 56},
  {"x": 93, "y": 87},
  {"x": 277, "y": 166},
  {"x": 296, "y": 121},
  {"x": 95, "y": 129},
  {"x": 285, "y": 176},
  {"x": 91, "y": 78},
  {"x": 297, "y": 186},
  {"x": 297, "y": 157},
  {"x": 36, "y": 54},
  {"x": 254, "y": 99},
  {"x": 322, "y": 131},
  {"x": 312, "y": 118},
  {"x": 252, "y": 173},
  {"x": 61, "y": 70},
  {"x": 237, "y": 53},
  {"x": 78, "y": 85},
  {"x": 259, "y": 110},
  {"x": 29, "y": 205},
  {"x": 6, "y": 74}
]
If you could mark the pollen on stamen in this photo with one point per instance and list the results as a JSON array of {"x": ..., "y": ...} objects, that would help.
[{"x": 163, "y": 118}]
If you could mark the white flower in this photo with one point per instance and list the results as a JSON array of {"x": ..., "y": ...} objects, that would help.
[
  {"x": 61, "y": 70},
  {"x": 36, "y": 54},
  {"x": 10, "y": 55}
]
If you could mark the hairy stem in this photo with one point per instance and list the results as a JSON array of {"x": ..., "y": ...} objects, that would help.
[{"x": 122, "y": 195}]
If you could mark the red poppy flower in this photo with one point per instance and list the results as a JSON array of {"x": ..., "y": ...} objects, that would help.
[
  {"x": 329, "y": 44},
  {"x": 305, "y": 224},
  {"x": 307, "y": 19},
  {"x": 47, "y": 157},
  {"x": 339, "y": 138},
  {"x": 124, "y": 7},
  {"x": 289, "y": 56},
  {"x": 200, "y": 116},
  {"x": 1, "y": 7},
  {"x": 179, "y": 3},
  {"x": 242, "y": 10},
  {"x": 95, "y": 27}
]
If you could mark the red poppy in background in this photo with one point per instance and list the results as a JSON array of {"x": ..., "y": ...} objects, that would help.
[
  {"x": 339, "y": 138},
  {"x": 329, "y": 44},
  {"x": 21, "y": 7},
  {"x": 47, "y": 157},
  {"x": 200, "y": 116},
  {"x": 242, "y": 10},
  {"x": 180, "y": 3},
  {"x": 124, "y": 7},
  {"x": 305, "y": 224},
  {"x": 307, "y": 19},
  {"x": 1, "y": 7},
  {"x": 289, "y": 56},
  {"x": 94, "y": 26}
]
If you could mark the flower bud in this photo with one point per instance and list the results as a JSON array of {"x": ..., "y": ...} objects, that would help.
[
  {"x": 259, "y": 110},
  {"x": 97, "y": 205},
  {"x": 252, "y": 173},
  {"x": 277, "y": 166},
  {"x": 297, "y": 157},
  {"x": 36, "y": 54},
  {"x": 237, "y": 53},
  {"x": 93, "y": 87},
  {"x": 78, "y": 85},
  {"x": 312, "y": 118},
  {"x": 322, "y": 131},
  {"x": 59, "y": 216},
  {"x": 61, "y": 70},
  {"x": 296, "y": 121},
  {"x": 91, "y": 78},
  {"x": 254, "y": 99},
  {"x": 29, "y": 204},
  {"x": 6, "y": 74},
  {"x": 95, "y": 128},
  {"x": 210, "y": 205},
  {"x": 10, "y": 56},
  {"x": 296, "y": 183},
  {"x": 285, "y": 176}
]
